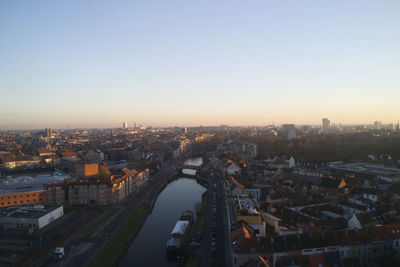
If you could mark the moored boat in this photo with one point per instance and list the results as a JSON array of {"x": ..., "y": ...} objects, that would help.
[{"x": 180, "y": 232}]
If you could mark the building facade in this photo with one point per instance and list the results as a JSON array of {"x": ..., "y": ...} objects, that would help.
[{"x": 23, "y": 198}]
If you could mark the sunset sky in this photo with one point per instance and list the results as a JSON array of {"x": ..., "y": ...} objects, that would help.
[{"x": 67, "y": 64}]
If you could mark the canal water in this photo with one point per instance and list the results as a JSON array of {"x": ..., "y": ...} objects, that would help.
[{"x": 148, "y": 248}]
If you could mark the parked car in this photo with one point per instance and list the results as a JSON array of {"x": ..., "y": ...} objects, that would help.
[
  {"x": 195, "y": 244},
  {"x": 213, "y": 246}
]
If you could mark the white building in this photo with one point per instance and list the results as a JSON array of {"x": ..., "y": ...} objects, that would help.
[{"x": 36, "y": 217}]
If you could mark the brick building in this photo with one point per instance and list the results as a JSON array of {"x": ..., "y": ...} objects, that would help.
[
  {"x": 85, "y": 170},
  {"x": 10, "y": 199}
]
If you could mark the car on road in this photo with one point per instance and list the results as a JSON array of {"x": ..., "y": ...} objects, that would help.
[
  {"x": 214, "y": 232},
  {"x": 214, "y": 235},
  {"x": 213, "y": 246},
  {"x": 59, "y": 253},
  {"x": 195, "y": 244},
  {"x": 196, "y": 237}
]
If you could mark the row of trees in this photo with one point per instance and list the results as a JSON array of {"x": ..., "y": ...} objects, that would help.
[
  {"x": 315, "y": 148},
  {"x": 330, "y": 147}
]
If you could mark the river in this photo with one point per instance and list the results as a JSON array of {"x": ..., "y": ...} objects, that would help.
[{"x": 148, "y": 248}]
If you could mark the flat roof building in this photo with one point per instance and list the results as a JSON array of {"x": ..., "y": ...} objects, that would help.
[
  {"x": 28, "y": 189},
  {"x": 36, "y": 217}
]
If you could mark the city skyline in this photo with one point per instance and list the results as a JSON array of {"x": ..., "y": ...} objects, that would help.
[
  {"x": 74, "y": 65},
  {"x": 370, "y": 125}
]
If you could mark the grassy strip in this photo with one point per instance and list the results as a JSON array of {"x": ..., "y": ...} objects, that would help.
[
  {"x": 201, "y": 216},
  {"x": 120, "y": 241},
  {"x": 107, "y": 215},
  {"x": 192, "y": 262}
]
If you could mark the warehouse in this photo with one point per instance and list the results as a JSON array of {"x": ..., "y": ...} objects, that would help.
[{"x": 35, "y": 217}]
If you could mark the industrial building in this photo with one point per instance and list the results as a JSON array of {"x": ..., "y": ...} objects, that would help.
[{"x": 36, "y": 217}]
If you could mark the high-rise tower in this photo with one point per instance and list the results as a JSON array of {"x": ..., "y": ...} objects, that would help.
[{"x": 326, "y": 124}]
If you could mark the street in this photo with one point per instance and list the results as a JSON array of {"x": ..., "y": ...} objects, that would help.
[{"x": 216, "y": 232}]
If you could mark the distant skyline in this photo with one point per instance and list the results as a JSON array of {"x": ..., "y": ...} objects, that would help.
[
  {"x": 116, "y": 126},
  {"x": 86, "y": 64}
]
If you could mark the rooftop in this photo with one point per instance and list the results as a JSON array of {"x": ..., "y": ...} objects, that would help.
[
  {"x": 35, "y": 211},
  {"x": 246, "y": 204},
  {"x": 368, "y": 168},
  {"x": 30, "y": 182}
]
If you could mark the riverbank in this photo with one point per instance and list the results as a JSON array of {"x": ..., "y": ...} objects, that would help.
[{"x": 121, "y": 240}]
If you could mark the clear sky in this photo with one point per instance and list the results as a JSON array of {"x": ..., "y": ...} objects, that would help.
[{"x": 99, "y": 63}]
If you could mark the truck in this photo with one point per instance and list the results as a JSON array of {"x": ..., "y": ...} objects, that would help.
[{"x": 59, "y": 253}]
